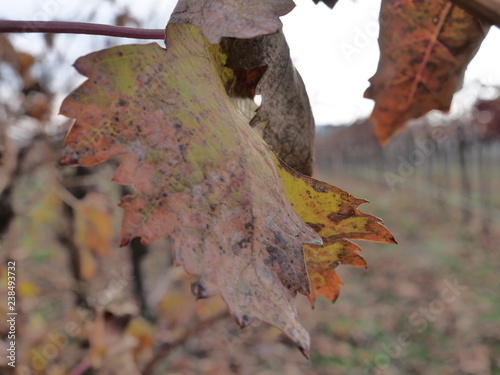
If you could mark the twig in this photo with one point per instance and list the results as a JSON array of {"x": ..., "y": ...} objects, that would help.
[
  {"x": 58, "y": 27},
  {"x": 137, "y": 252},
  {"x": 166, "y": 348}
]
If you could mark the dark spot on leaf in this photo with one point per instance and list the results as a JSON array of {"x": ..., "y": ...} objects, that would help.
[
  {"x": 316, "y": 226},
  {"x": 336, "y": 218},
  {"x": 70, "y": 157},
  {"x": 245, "y": 320},
  {"x": 279, "y": 241},
  {"x": 319, "y": 187},
  {"x": 238, "y": 246}
]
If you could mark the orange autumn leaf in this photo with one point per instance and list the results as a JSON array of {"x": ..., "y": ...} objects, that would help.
[
  {"x": 322, "y": 262},
  {"x": 425, "y": 47}
]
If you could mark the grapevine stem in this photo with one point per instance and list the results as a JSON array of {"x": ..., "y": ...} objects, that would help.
[{"x": 59, "y": 27}]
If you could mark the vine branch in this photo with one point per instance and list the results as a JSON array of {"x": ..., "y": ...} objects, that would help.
[{"x": 59, "y": 27}]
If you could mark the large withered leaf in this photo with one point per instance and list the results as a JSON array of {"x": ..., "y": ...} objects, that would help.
[
  {"x": 232, "y": 18},
  {"x": 334, "y": 215},
  {"x": 201, "y": 174},
  {"x": 425, "y": 47},
  {"x": 285, "y": 115}
]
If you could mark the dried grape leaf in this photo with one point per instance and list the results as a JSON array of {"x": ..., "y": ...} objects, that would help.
[
  {"x": 285, "y": 115},
  {"x": 232, "y": 18},
  {"x": 202, "y": 176},
  {"x": 425, "y": 48}
]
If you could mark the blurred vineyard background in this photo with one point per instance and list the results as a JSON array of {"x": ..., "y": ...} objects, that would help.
[
  {"x": 87, "y": 306},
  {"x": 449, "y": 159},
  {"x": 436, "y": 186}
]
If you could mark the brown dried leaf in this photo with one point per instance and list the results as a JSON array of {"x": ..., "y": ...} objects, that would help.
[
  {"x": 285, "y": 115},
  {"x": 425, "y": 49},
  {"x": 231, "y": 18}
]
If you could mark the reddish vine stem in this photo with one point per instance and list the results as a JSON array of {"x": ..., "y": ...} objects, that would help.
[{"x": 58, "y": 27}]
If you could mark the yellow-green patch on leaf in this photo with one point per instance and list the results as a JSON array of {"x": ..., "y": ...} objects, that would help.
[
  {"x": 330, "y": 211},
  {"x": 334, "y": 215}
]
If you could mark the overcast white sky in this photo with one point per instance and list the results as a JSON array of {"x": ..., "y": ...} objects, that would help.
[{"x": 335, "y": 51}]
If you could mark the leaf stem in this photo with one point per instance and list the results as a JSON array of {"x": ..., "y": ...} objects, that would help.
[{"x": 58, "y": 27}]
